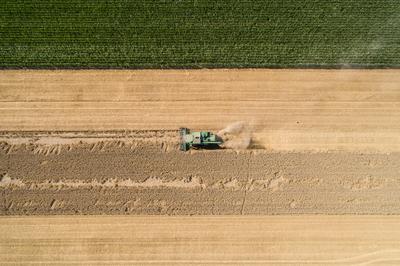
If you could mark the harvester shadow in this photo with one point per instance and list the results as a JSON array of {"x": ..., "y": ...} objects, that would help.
[{"x": 209, "y": 147}]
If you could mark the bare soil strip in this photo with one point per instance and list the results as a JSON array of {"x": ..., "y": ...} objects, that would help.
[
  {"x": 145, "y": 173},
  {"x": 289, "y": 110},
  {"x": 211, "y": 240}
]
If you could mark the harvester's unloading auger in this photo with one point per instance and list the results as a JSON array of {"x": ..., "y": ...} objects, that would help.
[{"x": 197, "y": 140}]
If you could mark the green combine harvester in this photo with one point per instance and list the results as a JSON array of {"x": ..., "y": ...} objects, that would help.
[{"x": 198, "y": 140}]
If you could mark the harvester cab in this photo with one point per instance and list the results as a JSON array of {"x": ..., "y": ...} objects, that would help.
[{"x": 198, "y": 140}]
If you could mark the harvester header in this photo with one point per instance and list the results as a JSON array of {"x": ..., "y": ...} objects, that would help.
[{"x": 198, "y": 140}]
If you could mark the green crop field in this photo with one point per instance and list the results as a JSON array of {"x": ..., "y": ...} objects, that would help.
[{"x": 199, "y": 33}]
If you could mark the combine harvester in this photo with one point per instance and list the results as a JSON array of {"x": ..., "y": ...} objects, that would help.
[{"x": 198, "y": 140}]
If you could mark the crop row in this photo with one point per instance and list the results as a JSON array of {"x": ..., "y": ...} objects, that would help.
[{"x": 199, "y": 33}]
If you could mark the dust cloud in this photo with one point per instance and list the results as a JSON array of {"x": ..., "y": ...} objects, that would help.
[{"x": 236, "y": 136}]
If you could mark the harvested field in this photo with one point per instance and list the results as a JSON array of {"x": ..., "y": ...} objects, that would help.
[
  {"x": 233, "y": 240},
  {"x": 145, "y": 173},
  {"x": 96, "y": 142},
  {"x": 106, "y": 142}
]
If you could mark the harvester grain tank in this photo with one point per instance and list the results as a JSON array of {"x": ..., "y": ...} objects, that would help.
[{"x": 197, "y": 140}]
